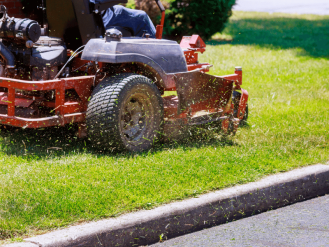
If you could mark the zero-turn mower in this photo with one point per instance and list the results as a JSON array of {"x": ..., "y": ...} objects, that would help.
[{"x": 112, "y": 85}]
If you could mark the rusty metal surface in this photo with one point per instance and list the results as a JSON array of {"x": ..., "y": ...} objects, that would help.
[
  {"x": 207, "y": 119},
  {"x": 21, "y": 112},
  {"x": 21, "y": 102},
  {"x": 243, "y": 104},
  {"x": 66, "y": 113},
  {"x": 195, "y": 87},
  {"x": 42, "y": 122}
]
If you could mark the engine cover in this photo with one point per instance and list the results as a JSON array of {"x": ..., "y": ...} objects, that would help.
[
  {"x": 164, "y": 56},
  {"x": 39, "y": 62},
  {"x": 48, "y": 52}
]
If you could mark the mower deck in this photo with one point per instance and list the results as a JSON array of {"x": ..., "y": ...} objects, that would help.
[{"x": 192, "y": 106}]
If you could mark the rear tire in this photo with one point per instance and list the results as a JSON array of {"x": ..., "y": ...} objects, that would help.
[{"x": 125, "y": 112}]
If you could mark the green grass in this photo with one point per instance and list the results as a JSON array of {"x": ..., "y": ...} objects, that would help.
[{"x": 285, "y": 59}]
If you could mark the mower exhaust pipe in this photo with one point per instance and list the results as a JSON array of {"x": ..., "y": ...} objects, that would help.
[{"x": 8, "y": 56}]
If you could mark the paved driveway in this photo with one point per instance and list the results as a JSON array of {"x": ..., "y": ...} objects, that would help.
[
  {"x": 303, "y": 224},
  {"x": 319, "y": 7}
]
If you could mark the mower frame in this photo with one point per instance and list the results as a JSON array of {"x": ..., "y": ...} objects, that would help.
[{"x": 183, "y": 109}]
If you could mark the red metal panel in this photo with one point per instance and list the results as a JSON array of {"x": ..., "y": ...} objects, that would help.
[
  {"x": 197, "y": 42},
  {"x": 171, "y": 104},
  {"x": 237, "y": 77},
  {"x": 42, "y": 122},
  {"x": 82, "y": 86},
  {"x": 233, "y": 77},
  {"x": 243, "y": 103},
  {"x": 159, "y": 28},
  {"x": 72, "y": 107},
  {"x": 195, "y": 87},
  {"x": 60, "y": 99},
  {"x": 193, "y": 41},
  {"x": 170, "y": 83},
  {"x": 44, "y": 85},
  {"x": 238, "y": 71},
  {"x": 185, "y": 43},
  {"x": 191, "y": 67},
  {"x": 29, "y": 85},
  {"x": 11, "y": 102},
  {"x": 21, "y": 102},
  {"x": 191, "y": 57},
  {"x": 69, "y": 106}
]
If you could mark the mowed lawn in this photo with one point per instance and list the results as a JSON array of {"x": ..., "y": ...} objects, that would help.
[{"x": 49, "y": 179}]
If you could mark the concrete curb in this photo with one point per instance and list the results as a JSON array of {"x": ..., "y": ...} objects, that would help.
[{"x": 178, "y": 218}]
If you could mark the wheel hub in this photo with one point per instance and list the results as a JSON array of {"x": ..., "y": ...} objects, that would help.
[{"x": 133, "y": 122}]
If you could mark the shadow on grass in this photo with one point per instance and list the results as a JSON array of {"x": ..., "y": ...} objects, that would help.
[
  {"x": 58, "y": 141},
  {"x": 41, "y": 142},
  {"x": 312, "y": 36}
]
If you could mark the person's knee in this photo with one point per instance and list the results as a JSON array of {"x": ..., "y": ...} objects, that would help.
[
  {"x": 140, "y": 14},
  {"x": 144, "y": 15}
]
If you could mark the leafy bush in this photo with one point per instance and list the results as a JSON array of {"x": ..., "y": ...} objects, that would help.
[
  {"x": 188, "y": 17},
  {"x": 151, "y": 8},
  {"x": 131, "y": 4},
  {"x": 202, "y": 17}
]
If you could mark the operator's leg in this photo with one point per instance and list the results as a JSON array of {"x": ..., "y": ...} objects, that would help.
[
  {"x": 137, "y": 20},
  {"x": 144, "y": 23}
]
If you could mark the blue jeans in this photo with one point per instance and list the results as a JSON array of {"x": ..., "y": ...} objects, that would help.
[{"x": 137, "y": 20}]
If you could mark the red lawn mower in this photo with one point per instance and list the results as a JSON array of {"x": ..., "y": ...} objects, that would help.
[{"x": 112, "y": 83}]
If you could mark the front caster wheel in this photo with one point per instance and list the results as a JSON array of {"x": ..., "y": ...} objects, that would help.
[{"x": 125, "y": 112}]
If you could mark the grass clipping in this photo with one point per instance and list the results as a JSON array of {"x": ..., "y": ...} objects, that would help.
[{"x": 50, "y": 179}]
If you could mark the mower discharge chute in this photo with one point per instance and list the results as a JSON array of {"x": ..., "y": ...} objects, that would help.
[{"x": 112, "y": 85}]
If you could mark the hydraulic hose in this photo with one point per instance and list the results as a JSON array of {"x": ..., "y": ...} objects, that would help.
[{"x": 8, "y": 56}]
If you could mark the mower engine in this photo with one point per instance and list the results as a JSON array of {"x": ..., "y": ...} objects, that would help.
[{"x": 24, "y": 53}]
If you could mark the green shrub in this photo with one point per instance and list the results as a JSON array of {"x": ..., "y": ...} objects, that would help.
[
  {"x": 203, "y": 17},
  {"x": 131, "y": 4},
  {"x": 151, "y": 8}
]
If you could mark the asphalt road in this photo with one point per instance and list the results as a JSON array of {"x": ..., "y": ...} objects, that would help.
[
  {"x": 302, "y": 224},
  {"x": 319, "y": 7}
]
